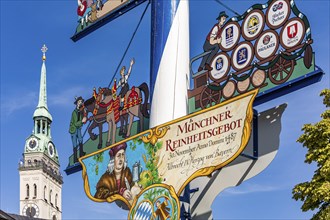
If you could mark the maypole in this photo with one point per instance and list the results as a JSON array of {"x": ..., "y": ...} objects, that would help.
[{"x": 169, "y": 68}]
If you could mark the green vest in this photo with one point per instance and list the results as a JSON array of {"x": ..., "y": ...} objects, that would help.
[{"x": 75, "y": 122}]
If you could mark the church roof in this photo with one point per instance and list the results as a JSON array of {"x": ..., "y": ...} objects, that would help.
[{"x": 8, "y": 216}]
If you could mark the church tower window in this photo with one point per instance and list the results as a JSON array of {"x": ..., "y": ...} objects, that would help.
[
  {"x": 50, "y": 197},
  {"x": 45, "y": 189},
  {"x": 27, "y": 191},
  {"x": 56, "y": 200},
  {"x": 38, "y": 127},
  {"x": 43, "y": 127},
  {"x": 35, "y": 191}
]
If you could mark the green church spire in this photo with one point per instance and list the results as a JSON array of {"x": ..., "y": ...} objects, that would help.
[
  {"x": 42, "y": 109},
  {"x": 41, "y": 140}
]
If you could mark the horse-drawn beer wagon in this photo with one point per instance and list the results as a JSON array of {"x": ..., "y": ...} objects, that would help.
[{"x": 258, "y": 48}]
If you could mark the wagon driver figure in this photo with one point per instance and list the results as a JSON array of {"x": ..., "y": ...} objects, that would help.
[{"x": 212, "y": 42}]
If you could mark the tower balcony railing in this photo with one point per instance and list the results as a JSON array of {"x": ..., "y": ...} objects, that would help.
[{"x": 41, "y": 165}]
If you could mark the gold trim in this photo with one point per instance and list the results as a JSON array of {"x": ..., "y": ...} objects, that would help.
[
  {"x": 254, "y": 92},
  {"x": 152, "y": 136},
  {"x": 109, "y": 199},
  {"x": 168, "y": 187},
  {"x": 155, "y": 134},
  {"x": 85, "y": 176},
  {"x": 245, "y": 139},
  {"x": 167, "y": 124},
  {"x": 133, "y": 206}
]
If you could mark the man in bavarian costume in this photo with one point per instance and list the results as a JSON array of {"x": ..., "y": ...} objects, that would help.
[
  {"x": 123, "y": 82},
  {"x": 83, "y": 12},
  {"x": 213, "y": 39},
  {"x": 118, "y": 178},
  {"x": 76, "y": 123}
]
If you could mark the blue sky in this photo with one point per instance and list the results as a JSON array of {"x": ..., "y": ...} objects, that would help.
[{"x": 75, "y": 68}]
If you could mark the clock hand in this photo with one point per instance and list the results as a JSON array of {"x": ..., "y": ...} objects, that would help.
[{"x": 29, "y": 212}]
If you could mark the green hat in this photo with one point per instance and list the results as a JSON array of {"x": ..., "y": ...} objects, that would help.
[{"x": 222, "y": 14}]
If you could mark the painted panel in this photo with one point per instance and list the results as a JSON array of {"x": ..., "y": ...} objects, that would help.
[
  {"x": 268, "y": 45},
  {"x": 189, "y": 147},
  {"x": 92, "y": 14}
]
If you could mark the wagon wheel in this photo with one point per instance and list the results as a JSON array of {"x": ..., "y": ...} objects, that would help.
[
  {"x": 281, "y": 71},
  {"x": 209, "y": 96}
]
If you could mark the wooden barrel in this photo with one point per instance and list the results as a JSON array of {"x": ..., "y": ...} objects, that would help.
[
  {"x": 229, "y": 89},
  {"x": 258, "y": 78},
  {"x": 242, "y": 86},
  {"x": 308, "y": 57}
]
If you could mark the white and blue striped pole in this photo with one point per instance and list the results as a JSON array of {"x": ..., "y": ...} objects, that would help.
[{"x": 169, "y": 70}]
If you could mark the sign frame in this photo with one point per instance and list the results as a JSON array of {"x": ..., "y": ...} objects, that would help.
[{"x": 154, "y": 134}]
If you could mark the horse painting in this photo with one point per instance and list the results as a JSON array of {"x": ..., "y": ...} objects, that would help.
[
  {"x": 133, "y": 107},
  {"x": 105, "y": 106},
  {"x": 98, "y": 118}
]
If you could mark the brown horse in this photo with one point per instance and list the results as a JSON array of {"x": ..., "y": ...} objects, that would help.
[
  {"x": 98, "y": 117},
  {"x": 114, "y": 114}
]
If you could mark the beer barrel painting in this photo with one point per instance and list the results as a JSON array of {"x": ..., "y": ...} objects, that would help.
[
  {"x": 231, "y": 34},
  {"x": 222, "y": 66},
  {"x": 242, "y": 56},
  {"x": 270, "y": 39},
  {"x": 259, "y": 49},
  {"x": 253, "y": 25}
]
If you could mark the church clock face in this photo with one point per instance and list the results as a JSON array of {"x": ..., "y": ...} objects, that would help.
[
  {"x": 51, "y": 149},
  {"x": 32, "y": 143},
  {"x": 31, "y": 210}
]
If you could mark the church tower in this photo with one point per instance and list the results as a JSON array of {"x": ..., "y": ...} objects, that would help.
[{"x": 39, "y": 170}]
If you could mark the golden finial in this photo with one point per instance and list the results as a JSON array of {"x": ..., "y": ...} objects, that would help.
[{"x": 44, "y": 50}]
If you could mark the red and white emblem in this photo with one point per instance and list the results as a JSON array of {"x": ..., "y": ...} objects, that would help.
[
  {"x": 292, "y": 30},
  {"x": 292, "y": 33}
]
